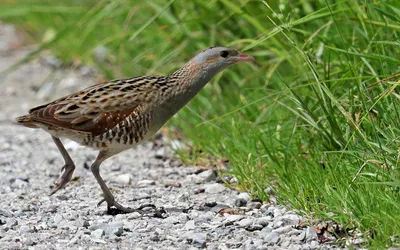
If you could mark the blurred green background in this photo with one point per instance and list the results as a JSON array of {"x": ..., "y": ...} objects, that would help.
[{"x": 316, "y": 118}]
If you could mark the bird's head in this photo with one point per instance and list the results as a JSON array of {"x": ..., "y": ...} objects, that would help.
[
  {"x": 195, "y": 74},
  {"x": 207, "y": 63},
  {"x": 216, "y": 59}
]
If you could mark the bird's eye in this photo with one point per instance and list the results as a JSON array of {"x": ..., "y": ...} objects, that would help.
[{"x": 224, "y": 54}]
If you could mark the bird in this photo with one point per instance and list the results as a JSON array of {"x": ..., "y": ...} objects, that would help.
[{"x": 118, "y": 115}]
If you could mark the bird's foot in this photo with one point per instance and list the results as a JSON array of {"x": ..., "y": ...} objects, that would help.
[
  {"x": 114, "y": 208},
  {"x": 67, "y": 171}
]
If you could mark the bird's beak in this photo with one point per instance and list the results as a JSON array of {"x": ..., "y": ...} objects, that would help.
[{"x": 244, "y": 58}]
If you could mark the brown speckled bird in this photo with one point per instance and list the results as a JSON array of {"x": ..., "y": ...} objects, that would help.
[{"x": 120, "y": 114}]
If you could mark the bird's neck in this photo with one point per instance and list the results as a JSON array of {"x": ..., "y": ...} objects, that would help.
[
  {"x": 185, "y": 84},
  {"x": 192, "y": 78}
]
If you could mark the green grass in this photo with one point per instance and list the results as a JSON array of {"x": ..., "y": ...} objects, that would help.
[{"x": 317, "y": 117}]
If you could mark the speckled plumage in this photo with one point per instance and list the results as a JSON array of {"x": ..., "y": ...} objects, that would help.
[
  {"x": 110, "y": 117},
  {"x": 118, "y": 115}
]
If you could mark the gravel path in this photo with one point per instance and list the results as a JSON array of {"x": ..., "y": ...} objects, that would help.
[{"x": 201, "y": 212}]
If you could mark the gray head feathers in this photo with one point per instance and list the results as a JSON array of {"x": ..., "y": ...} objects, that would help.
[{"x": 215, "y": 54}]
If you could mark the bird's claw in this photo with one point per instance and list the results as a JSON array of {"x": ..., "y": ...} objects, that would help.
[
  {"x": 114, "y": 208},
  {"x": 101, "y": 202},
  {"x": 65, "y": 177}
]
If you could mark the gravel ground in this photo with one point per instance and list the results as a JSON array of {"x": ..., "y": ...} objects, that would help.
[{"x": 201, "y": 212}]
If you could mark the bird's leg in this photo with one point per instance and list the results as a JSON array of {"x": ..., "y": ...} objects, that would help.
[
  {"x": 108, "y": 197},
  {"x": 114, "y": 207},
  {"x": 67, "y": 169}
]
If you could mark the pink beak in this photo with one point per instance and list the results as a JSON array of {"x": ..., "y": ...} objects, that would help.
[{"x": 244, "y": 58}]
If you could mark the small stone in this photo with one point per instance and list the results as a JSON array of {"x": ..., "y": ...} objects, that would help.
[
  {"x": 97, "y": 234},
  {"x": 233, "y": 180},
  {"x": 155, "y": 237},
  {"x": 173, "y": 184},
  {"x": 208, "y": 175},
  {"x": 264, "y": 232},
  {"x": 283, "y": 230},
  {"x": 117, "y": 231},
  {"x": 112, "y": 228},
  {"x": 57, "y": 219},
  {"x": 204, "y": 217},
  {"x": 278, "y": 224},
  {"x": 172, "y": 220},
  {"x": 285, "y": 244},
  {"x": 177, "y": 145},
  {"x": 272, "y": 238},
  {"x": 27, "y": 229},
  {"x": 190, "y": 225},
  {"x": 244, "y": 223},
  {"x": 72, "y": 229},
  {"x": 12, "y": 222},
  {"x": 299, "y": 238},
  {"x": 268, "y": 190},
  {"x": 221, "y": 208},
  {"x": 62, "y": 197},
  {"x": 134, "y": 215},
  {"x": 51, "y": 61},
  {"x": 314, "y": 244},
  {"x": 116, "y": 167},
  {"x": 210, "y": 204},
  {"x": 171, "y": 238},
  {"x": 193, "y": 178},
  {"x": 22, "y": 178},
  {"x": 86, "y": 71},
  {"x": 5, "y": 213},
  {"x": 73, "y": 241},
  {"x": 278, "y": 212},
  {"x": 254, "y": 227},
  {"x": 294, "y": 247},
  {"x": 257, "y": 243},
  {"x": 145, "y": 183},
  {"x": 233, "y": 217},
  {"x": 199, "y": 238},
  {"x": 254, "y": 204},
  {"x": 51, "y": 224},
  {"x": 100, "y": 53},
  {"x": 43, "y": 226},
  {"x": 270, "y": 210},
  {"x": 252, "y": 244},
  {"x": 29, "y": 242},
  {"x": 72, "y": 145},
  {"x": 290, "y": 219},
  {"x": 294, "y": 232},
  {"x": 311, "y": 234},
  {"x": 214, "y": 188},
  {"x": 263, "y": 221},
  {"x": 358, "y": 241},
  {"x": 240, "y": 202},
  {"x": 160, "y": 153},
  {"x": 18, "y": 183},
  {"x": 83, "y": 223},
  {"x": 245, "y": 196},
  {"x": 97, "y": 241},
  {"x": 124, "y": 179},
  {"x": 248, "y": 244}
]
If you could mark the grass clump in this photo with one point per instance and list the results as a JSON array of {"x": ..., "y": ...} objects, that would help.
[{"x": 317, "y": 116}]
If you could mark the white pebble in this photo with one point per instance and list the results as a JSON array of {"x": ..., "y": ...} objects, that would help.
[{"x": 124, "y": 179}]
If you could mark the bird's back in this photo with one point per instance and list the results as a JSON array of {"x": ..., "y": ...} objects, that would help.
[{"x": 115, "y": 115}]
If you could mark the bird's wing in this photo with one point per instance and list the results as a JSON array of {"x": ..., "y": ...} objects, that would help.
[{"x": 99, "y": 108}]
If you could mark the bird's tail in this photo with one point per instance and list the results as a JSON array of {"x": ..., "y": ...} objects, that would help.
[{"x": 27, "y": 121}]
